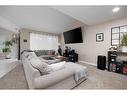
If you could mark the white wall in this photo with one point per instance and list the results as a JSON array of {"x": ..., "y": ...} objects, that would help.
[
  {"x": 6, "y": 36},
  {"x": 24, "y": 34},
  {"x": 6, "y": 24},
  {"x": 90, "y": 49}
]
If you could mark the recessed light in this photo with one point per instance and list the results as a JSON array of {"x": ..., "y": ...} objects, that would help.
[{"x": 116, "y": 9}]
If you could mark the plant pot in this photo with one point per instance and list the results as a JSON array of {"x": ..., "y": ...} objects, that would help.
[
  {"x": 124, "y": 48},
  {"x": 7, "y": 55}
]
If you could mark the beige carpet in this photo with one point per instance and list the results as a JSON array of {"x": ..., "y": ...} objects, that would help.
[
  {"x": 97, "y": 79},
  {"x": 15, "y": 79}
]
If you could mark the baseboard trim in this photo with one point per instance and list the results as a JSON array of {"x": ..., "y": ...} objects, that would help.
[{"x": 88, "y": 63}]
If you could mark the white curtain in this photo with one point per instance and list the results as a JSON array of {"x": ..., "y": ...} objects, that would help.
[{"x": 43, "y": 42}]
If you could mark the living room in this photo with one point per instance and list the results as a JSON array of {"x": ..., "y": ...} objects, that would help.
[{"x": 30, "y": 30}]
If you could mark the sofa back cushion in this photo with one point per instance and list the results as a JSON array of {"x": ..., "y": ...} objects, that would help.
[{"x": 44, "y": 52}]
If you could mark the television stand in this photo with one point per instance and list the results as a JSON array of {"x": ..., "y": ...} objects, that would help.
[
  {"x": 114, "y": 65},
  {"x": 73, "y": 57}
]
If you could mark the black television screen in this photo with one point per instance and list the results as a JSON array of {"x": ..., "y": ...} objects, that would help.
[{"x": 73, "y": 36}]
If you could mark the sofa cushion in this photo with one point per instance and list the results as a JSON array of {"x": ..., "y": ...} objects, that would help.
[
  {"x": 44, "y": 52},
  {"x": 57, "y": 66}
]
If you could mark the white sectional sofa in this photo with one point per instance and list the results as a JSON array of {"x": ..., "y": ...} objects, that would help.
[{"x": 66, "y": 78}]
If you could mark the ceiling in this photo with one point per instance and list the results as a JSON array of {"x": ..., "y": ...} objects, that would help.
[
  {"x": 4, "y": 31},
  {"x": 92, "y": 15},
  {"x": 41, "y": 18},
  {"x": 56, "y": 19}
]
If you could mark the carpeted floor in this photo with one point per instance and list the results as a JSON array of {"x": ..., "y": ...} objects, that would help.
[
  {"x": 97, "y": 79},
  {"x": 15, "y": 79}
]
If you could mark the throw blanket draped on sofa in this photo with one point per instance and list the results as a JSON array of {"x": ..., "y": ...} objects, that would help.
[{"x": 80, "y": 71}]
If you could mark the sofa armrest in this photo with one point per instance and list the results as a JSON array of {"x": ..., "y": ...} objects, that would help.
[{"x": 52, "y": 78}]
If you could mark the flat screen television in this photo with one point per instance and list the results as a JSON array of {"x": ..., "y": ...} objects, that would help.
[{"x": 73, "y": 36}]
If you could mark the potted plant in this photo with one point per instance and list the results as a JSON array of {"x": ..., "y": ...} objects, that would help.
[
  {"x": 124, "y": 43},
  {"x": 7, "y": 48}
]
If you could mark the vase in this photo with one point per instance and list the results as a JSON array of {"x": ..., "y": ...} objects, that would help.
[{"x": 7, "y": 55}]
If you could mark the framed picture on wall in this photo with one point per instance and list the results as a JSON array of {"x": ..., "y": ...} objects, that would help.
[{"x": 99, "y": 37}]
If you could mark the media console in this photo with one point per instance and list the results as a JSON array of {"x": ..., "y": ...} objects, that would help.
[
  {"x": 71, "y": 55},
  {"x": 114, "y": 65}
]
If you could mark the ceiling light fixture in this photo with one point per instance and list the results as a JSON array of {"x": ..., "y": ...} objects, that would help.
[{"x": 116, "y": 9}]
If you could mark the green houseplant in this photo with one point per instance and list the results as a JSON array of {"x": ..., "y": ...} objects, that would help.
[
  {"x": 7, "y": 48},
  {"x": 124, "y": 43}
]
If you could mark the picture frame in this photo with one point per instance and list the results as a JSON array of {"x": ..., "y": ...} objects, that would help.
[{"x": 99, "y": 37}]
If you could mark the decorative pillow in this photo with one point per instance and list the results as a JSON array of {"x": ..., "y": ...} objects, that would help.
[
  {"x": 49, "y": 52},
  {"x": 41, "y": 66},
  {"x": 53, "y": 52},
  {"x": 25, "y": 54}
]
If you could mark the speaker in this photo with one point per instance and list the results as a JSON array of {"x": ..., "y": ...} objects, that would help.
[
  {"x": 101, "y": 62},
  {"x": 73, "y": 51},
  {"x": 119, "y": 67}
]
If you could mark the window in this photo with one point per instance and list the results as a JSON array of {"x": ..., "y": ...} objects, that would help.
[
  {"x": 43, "y": 42},
  {"x": 117, "y": 33}
]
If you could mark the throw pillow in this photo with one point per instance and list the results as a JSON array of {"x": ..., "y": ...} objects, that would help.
[
  {"x": 41, "y": 66},
  {"x": 49, "y": 52}
]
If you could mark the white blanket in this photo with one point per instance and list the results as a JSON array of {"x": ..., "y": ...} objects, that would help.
[{"x": 80, "y": 71}]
